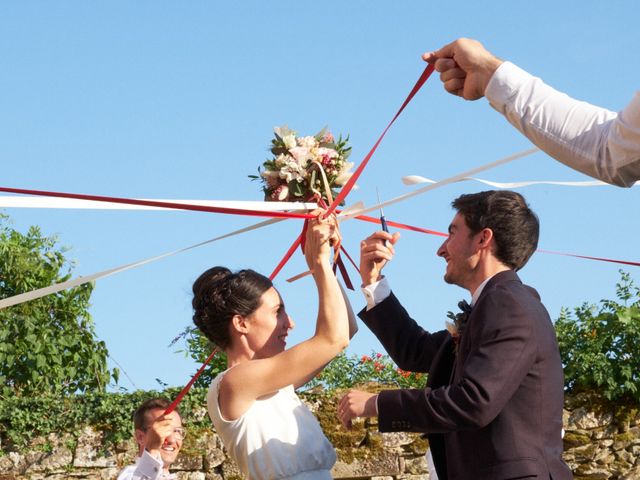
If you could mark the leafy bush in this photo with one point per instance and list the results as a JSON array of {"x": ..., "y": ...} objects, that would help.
[
  {"x": 348, "y": 371},
  {"x": 600, "y": 346},
  {"x": 24, "y": 418},
  {"x": 48, "y": 344}
]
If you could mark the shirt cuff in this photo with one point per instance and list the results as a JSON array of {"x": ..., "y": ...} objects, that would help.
[
  {"x": 505, "y": 84},
  {"x": 376, "y": 292},
  {"x": 149, "y": 466}
]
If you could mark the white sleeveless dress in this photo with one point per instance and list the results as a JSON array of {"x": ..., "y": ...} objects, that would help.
[{"x": 276, "y": 438}]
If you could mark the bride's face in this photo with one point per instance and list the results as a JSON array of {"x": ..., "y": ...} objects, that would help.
[{"x": 268, "y": 326}]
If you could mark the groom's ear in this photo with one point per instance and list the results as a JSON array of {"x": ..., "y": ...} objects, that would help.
[{"x": 485, "y": 238}]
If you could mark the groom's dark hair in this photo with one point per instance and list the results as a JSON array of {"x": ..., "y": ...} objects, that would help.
[{"x": 515, "y": 227}]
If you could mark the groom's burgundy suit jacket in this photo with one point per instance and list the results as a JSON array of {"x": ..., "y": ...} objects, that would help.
[{"x": 493, "y": 408}]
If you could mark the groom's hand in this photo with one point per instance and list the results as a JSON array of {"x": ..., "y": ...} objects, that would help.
[
  {"x": 357, "y": 404},
  {"x": 375, "y": 251}
]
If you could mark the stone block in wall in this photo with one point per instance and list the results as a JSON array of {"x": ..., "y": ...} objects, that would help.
[
  {"x": 50, "y": 454},
  {"x": 393, "y": 440},
  {"x": 230, "y": 470},
  {"x": 109, "y": 473},
  {"x": 188, "y": 462},
  {"x": 424, "y": 476},
  {"x": 586, "y": 453},
  {"x": 633, "y": 474},
  {"x": 213, "y": 458},
  {"x": 213, "y": 476},
  {"x": 11, "y": 463},
  {"x": 634, "y": 433},
  {"x": 576, "y": 438},
  {"x": 593, "y": 473},
  {"x": 625, "y": 458},
  {"x": 90, "y": 453},
  {"x": 382, "y": 464},
  {"x": 416, "y": 466},
  {"x": 210, "y": 446},
  {"x": 583, "y": 419},
  {"x": 603, "y": 456},
  {"x": 84, "y": 475},
  {"x": 607, "y": 432},
  {"x": 191, "y": 475}
]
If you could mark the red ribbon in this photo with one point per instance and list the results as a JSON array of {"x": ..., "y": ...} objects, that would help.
[
  {"x": 351, "y": 182},
  {"x": 598, "y": 259},
  {"x": 287, "y": 256},
  {"x": 187, "y": 387},
  {"x": 155, "y": 203}
]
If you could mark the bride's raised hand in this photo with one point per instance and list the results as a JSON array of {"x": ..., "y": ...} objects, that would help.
[{"x": 322, "y": 234}]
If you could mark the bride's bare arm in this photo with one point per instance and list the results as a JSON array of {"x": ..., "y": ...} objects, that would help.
[{"x": 253, "y": 379}]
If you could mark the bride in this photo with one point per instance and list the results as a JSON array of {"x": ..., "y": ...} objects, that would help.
[{"x": 265, "y": 427}]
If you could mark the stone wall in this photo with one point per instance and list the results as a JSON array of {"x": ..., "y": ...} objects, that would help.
[{"x": 600, "y": 444}]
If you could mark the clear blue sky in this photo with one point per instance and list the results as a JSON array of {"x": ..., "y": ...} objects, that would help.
[{"x": 178, "y": 100}]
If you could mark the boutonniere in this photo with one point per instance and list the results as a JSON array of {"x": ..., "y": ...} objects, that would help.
[{"x": 459, "y": 321}]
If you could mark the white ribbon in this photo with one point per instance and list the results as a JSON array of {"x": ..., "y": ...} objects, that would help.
[
  {"x": 417, "y": 179},
  {"x": 58, "y": 287},
  {"x": 8, "y": 201},
  {"x": 442, "y": 183}
]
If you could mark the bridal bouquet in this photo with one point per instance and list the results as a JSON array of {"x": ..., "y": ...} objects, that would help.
[{"x": 294, "y": 172}]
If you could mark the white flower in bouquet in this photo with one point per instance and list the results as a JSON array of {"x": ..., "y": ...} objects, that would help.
[
  {"x": 344, "y": 176},
  {"x": 289, "y": 141},
  {"x": 308, "y": 142}
]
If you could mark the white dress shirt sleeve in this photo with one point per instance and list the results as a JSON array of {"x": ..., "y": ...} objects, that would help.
[
  {"x": 376, "y": 292},
  {"x": 590, "y": 139},
  {"x": 147, "y": 467}
]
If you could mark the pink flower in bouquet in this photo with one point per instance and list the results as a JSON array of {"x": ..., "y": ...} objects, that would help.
[
  {"x": 280, "y": 194},
  {"x": 301, "y": 154},
  {"x": 327, "y": 138},
  {"x": 327, "y": 153}
]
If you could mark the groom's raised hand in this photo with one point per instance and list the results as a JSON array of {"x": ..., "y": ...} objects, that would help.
[{"x": 375, "y": 251}]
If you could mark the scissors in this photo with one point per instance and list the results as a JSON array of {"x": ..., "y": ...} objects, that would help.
[{"x": 383, "y": 220}]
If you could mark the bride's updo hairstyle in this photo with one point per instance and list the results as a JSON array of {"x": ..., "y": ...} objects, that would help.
[{"x": 219, "y": 294}]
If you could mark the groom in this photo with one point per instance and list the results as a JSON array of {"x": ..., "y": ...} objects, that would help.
[{"x": 492, "y": 407}]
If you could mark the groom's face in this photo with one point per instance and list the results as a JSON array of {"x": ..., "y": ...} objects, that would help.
[{"x": 460, "y": 251}]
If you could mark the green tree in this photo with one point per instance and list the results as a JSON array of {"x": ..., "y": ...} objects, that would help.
[
  {"x": 48, "y": 344},
  {"x": 600, "y": 346}
]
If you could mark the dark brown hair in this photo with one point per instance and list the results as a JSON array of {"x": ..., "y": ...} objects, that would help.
[
  {"x": 515, "y": 227},
  {"x": 139, "y": 417},
  {"x": 219, "y": 294}
]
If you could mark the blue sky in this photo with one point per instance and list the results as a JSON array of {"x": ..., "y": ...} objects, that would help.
[{"x": 178, "y": 100}]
